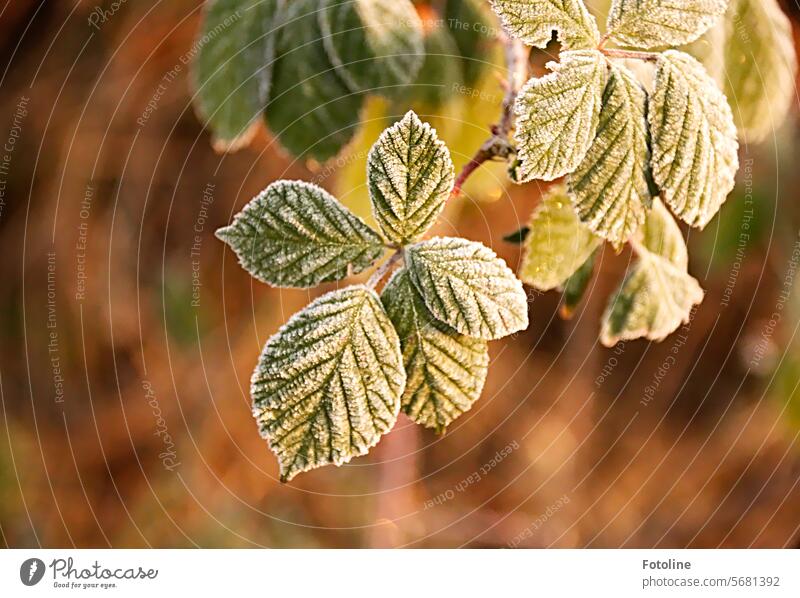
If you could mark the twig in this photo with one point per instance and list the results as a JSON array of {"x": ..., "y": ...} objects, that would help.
[
  {"x": 499, "y": 144},
  {"x": 378, "y": 275}
]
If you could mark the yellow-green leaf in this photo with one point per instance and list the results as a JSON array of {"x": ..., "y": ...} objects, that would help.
[{"x": 557, "y": 244}]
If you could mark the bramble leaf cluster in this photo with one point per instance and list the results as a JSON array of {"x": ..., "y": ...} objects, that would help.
[
  {"x": 627, "y": 150},
  {"x": 333, "y": 379}
]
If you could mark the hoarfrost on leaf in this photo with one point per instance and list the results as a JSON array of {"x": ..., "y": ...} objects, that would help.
[
  {"x": 328, "y": 384},
  {"x": 533, "y": 22},
  {"x": 410, "y": 176},
  {"x": 557, "y": 115},
  {"x": 466, "y": 286},
  {"x": 295, "y": 234},
  {"x": 657, "y": 23},
  {"x": 658, "y": 293},
  {"x": 694, "y": 159},
  {"x": 558, "y": 242},
  {"x": 610, "y": 187},
  {"x": 445, "y": 370}
]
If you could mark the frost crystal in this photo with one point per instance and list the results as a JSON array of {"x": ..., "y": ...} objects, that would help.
[
  {"x": 610, "y": 187},
  {"x": 445, "y": 370},
  {"x": 295, "y": 234},
  {"x": 465, "y": 285},
  {"x": 657, "y": 23},
  {"x": 533, "y": 21},
  {"x": 557, "y": 115},
  {"x": 328, "y": 384},
  {"x": 410, "y": 176},
  {"x": 694, "y": 139}
]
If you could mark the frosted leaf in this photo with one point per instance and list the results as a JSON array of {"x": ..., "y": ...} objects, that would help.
[
  {"x": 533, "y": 22},
  {"x": 557, "y": 115},
  {"x": 445, "y": 370},
  {"x": 465, "y": 285},
  {"x": 694, "y": 158},
  {"x": 375, "y": 45},
  {"x": 410, "y": 176},
  {"x": 655, "y": 23},
  {"x": 760, "y": 66},
  {"x": 311, "y": 110},
  {"x": 557, "y": 244},
  {"x": 233, "y": 69},
  {"x": 328, "y": 384},
  {"x": 610, "y": 188},
  {"x": 295, "y": 234},
  {"x": 658, "y": 293}
]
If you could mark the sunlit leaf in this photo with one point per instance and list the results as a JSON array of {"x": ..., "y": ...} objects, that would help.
[
  {"x": 328, "y": 384},
  {"x": 557, "y": 116},
  {"x": 557, "y": 244},
  {"x": 656, "y": 23},
  {"x": 295, "y": 234},
  {"x": 533, "y": 21},
  {"x": 410, "y": 176},
  {"x": 694, "y": 159},
  {"x": 610, "y": 188},
  {"x": 465, "y": 285},
  {"x": 657, "y": 294},
  {"x": 445, "y": 370}
]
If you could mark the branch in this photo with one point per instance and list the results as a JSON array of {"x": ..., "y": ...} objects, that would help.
[
  {"x": 499, "y": 144},
  {"x": 381, "y": 271}
]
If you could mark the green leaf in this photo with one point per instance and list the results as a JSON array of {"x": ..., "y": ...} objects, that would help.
[
  {"x": 295, "y": 234},
  {"x": 473, "y": 33},
  {"x": 695, "y": 149},
  {"x": 441, "y": 74},
  {"x": 558, "y": 242},
  {"x": 465, "y": 285},
  {"x": 610, "y": 187},
  {"x": 328, "y": 384},
  {"x": 760, "y": 66},
  {"x": 410, "y": 176},
  {"x": 655, "y": 23},
  {"x": 657, "y": 294},
  {"x": 557, "y": 116},
  {"x": 375, "y": 45},
  {"x": 445, "y": 370},
  {"x": 233, "y": 69},
  {"x": 575, "y": 287},
  {"x": 311, "y": 110},
  {"x": 533, "y": 21}
]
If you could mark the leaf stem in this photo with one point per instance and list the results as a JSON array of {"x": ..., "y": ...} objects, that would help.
[
  {"x": 499, "y": 145},
  {"x": 383, "y": 269},
  {"x": 615, "y": 53}
]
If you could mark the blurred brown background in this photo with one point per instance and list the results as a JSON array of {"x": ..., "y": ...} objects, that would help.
[{"x": 129, "y": 336}]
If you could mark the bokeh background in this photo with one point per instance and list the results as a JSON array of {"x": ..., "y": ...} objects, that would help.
[{"x": 129, "y": 334}]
